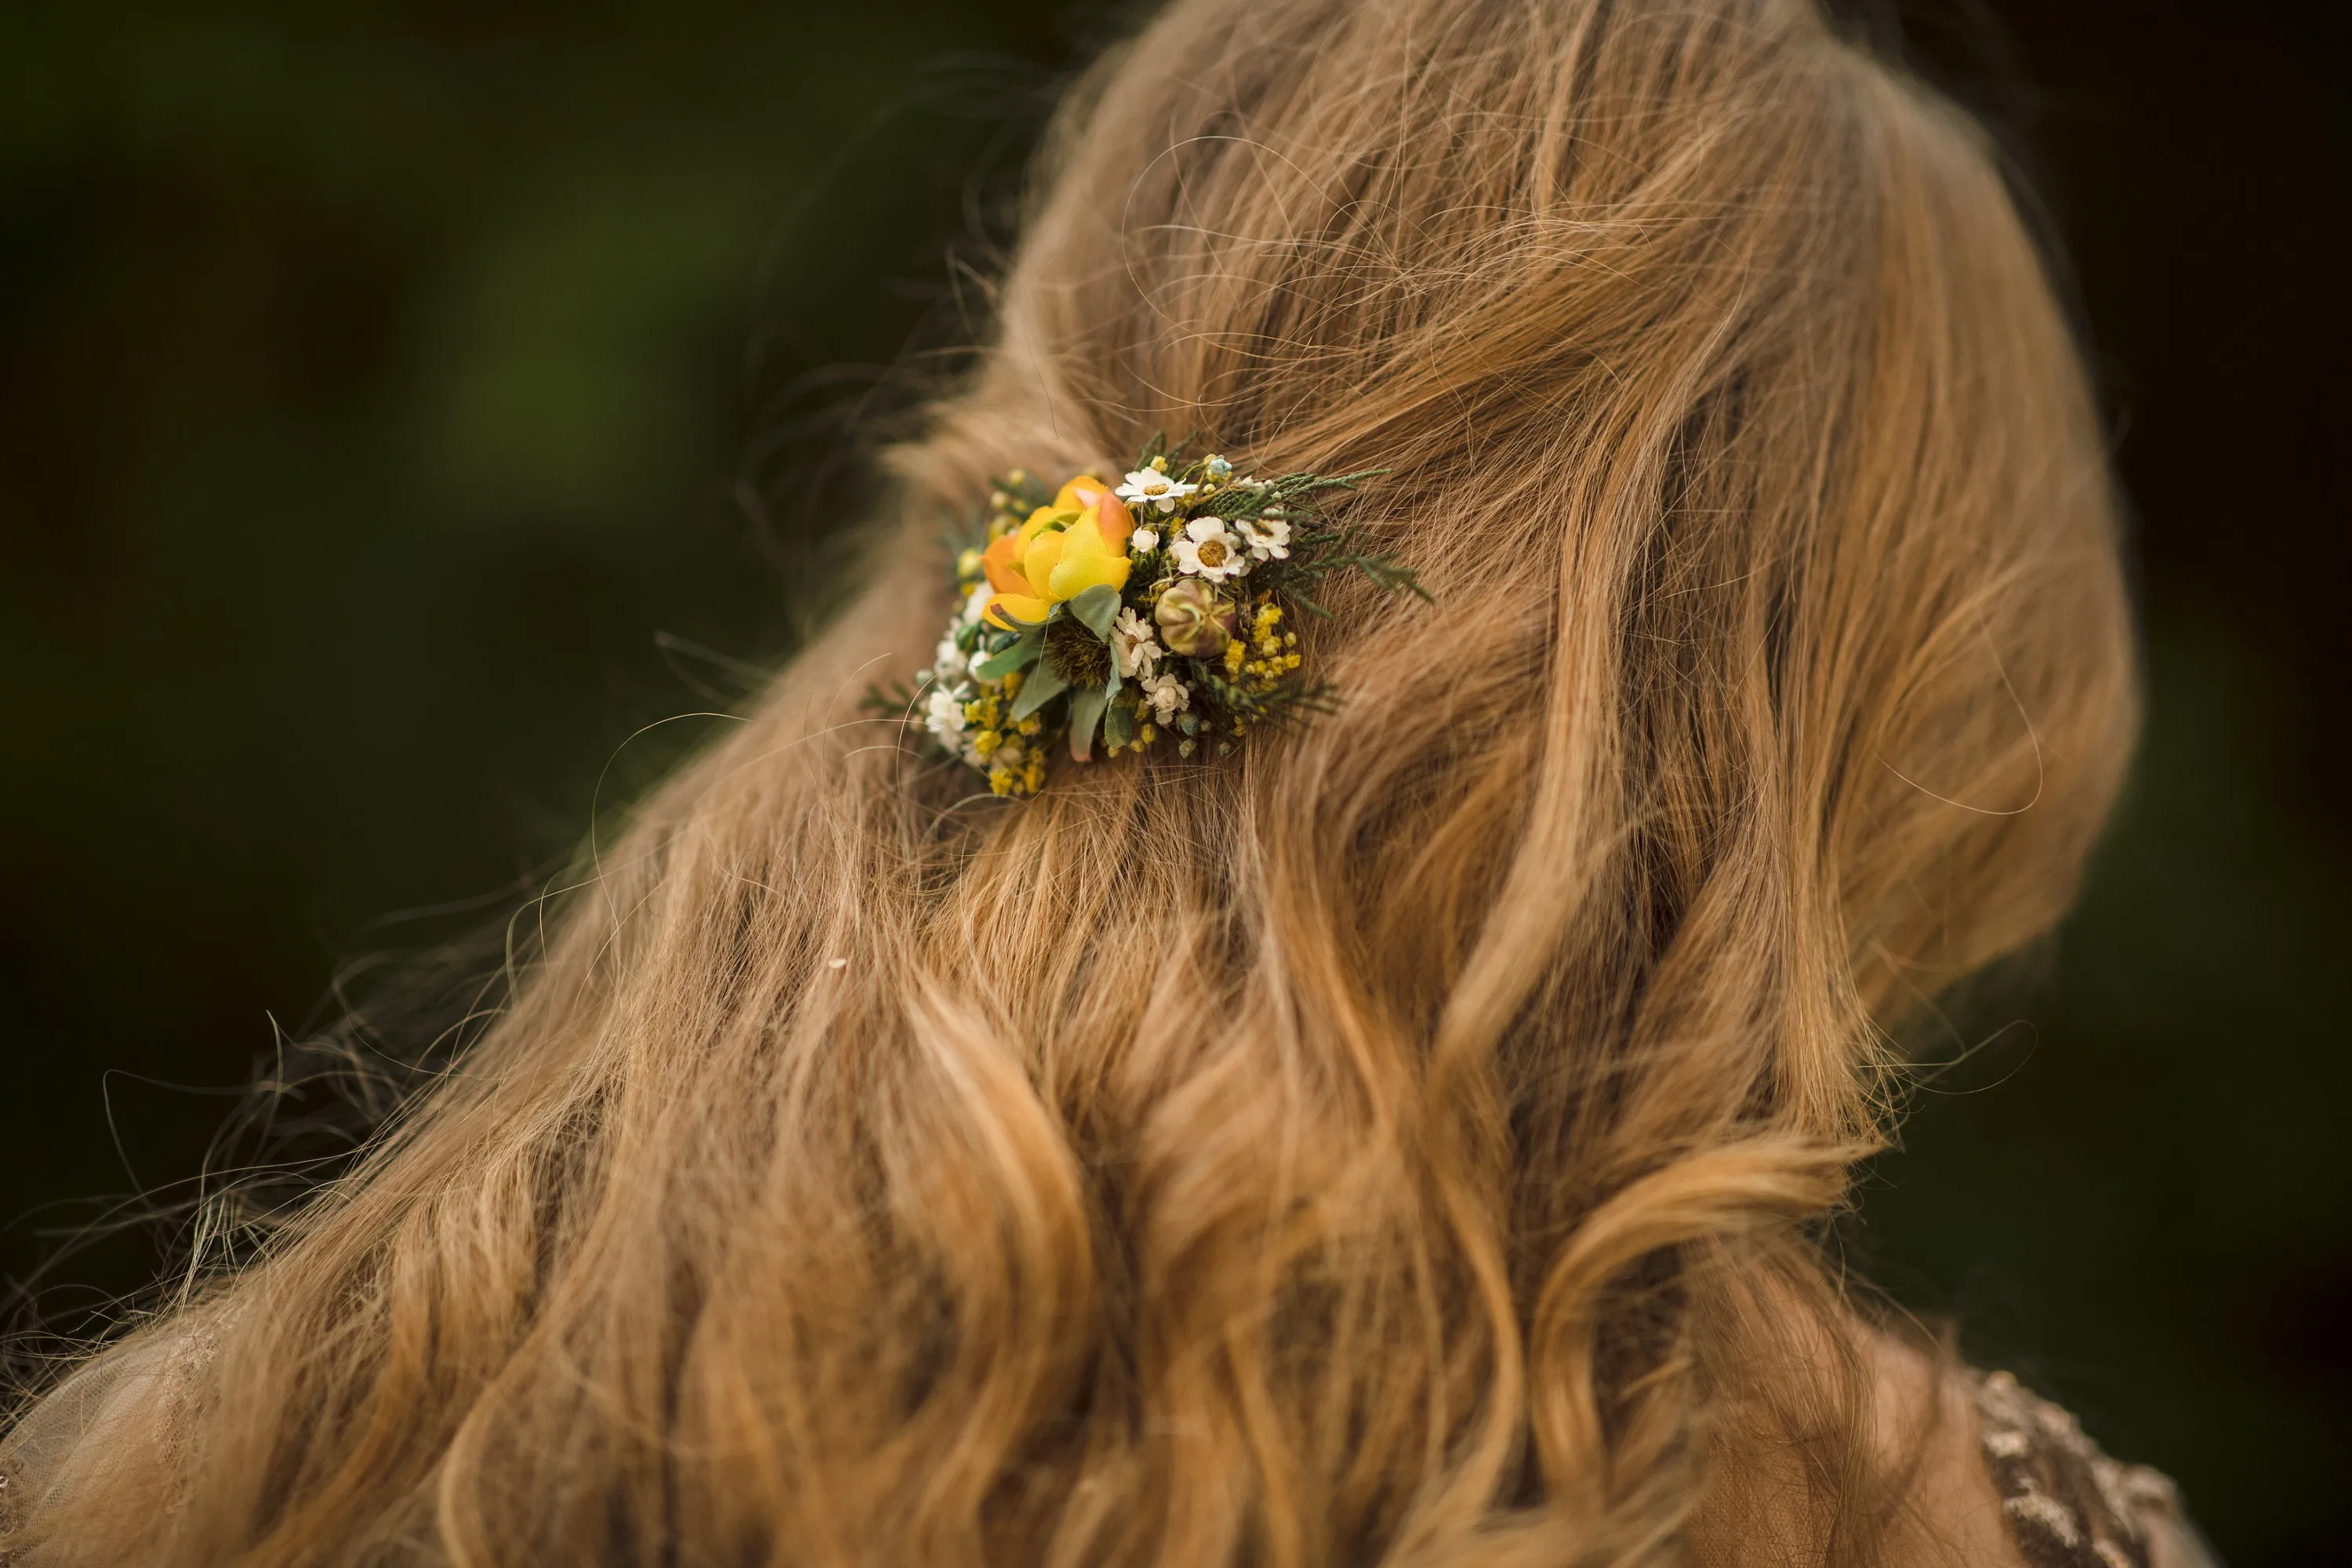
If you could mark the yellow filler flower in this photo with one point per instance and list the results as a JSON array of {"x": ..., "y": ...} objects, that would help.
[{"x": 1077, "y": 543}]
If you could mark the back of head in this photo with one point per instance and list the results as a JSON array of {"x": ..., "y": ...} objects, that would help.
[{"x": 1397, "y": 1141}]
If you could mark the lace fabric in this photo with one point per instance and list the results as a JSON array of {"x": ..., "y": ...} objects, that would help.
[{"x": 2067, "y": 1503}]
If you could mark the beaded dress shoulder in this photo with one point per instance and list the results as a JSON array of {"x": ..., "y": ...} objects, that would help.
[{"x": 2068, "y": 1505}]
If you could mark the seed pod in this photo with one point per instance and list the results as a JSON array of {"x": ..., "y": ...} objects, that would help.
[{"x": 1194, "y": 620}]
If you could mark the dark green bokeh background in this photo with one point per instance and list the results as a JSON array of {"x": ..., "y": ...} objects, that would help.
[{"x": 381, "y": 387}]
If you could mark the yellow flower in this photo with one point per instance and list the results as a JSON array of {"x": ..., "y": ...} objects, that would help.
[{"x": 1077, "y": 543}]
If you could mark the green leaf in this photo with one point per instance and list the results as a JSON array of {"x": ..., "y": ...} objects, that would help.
[
  {"x": 896, "y": 700},
  {"x": 1044, "y": 684},
  {"x": 1086, "y": 711},
  {"x": 1020, "y": 656},
  {"x": 1097, "y": 608},
  {"x": 1118, "y": 726}
]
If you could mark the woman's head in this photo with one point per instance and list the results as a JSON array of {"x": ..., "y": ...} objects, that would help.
[
  {"x": 1724, "y": 404},
  {"x": 1397, "y": 1138}
]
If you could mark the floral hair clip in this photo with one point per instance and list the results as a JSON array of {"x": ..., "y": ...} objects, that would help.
[{"x": 1131, "y": 614}]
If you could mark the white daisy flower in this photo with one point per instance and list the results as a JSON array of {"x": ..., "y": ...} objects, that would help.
[
  {"x": 1143, "y": 542},
  {"x": 945, "y": 719},
  {"x": 1152, "y": 485},
  {"x": 1133, "y": 645},
  {"x": 1209, "y": 549},
  {"x": 1167, "y": 695},
  {"x": 949, "y": 665},
  {"x": 1268, "y": 539}
]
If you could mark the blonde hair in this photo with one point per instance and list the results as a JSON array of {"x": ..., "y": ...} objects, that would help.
[{"x": 1404, "y": 1140}]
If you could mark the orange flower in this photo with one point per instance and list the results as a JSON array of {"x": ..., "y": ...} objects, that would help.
[{"x": 1078, "y": 543}]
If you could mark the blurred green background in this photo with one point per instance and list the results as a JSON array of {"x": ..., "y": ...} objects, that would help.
[{"x": 398, "y": 399}]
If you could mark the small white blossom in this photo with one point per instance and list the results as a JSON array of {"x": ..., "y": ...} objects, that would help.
[
  {"x": 977, "y": 606},
  {"x": 949, "y": 665},
  {"x": 1152, "y": 485},
  {"x": 1167, "y": 695},
  {"x": 1209, "y": 549},
  {"x": 1143, "y": 542},
  {"x": 1268, "y": 539},
  {"x": 1131, "y": 644},
  {"x": 945, "y": 719}
]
